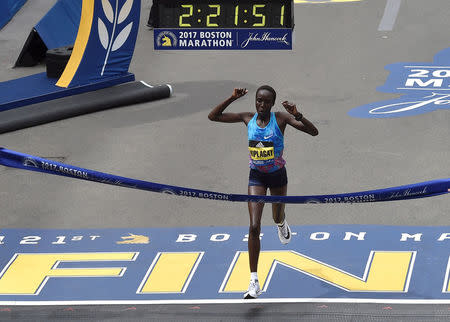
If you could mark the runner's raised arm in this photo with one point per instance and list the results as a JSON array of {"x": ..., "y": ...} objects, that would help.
[{"x": 217, "y": 114}]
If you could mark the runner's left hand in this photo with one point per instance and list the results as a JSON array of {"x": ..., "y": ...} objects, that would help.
[{"x": 290, "y": 107}]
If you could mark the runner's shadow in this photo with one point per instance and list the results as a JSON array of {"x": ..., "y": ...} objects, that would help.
[{"x": 255, "y": 312}]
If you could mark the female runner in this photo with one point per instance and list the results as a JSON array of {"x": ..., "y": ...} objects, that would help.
[{"x": 267, "y": 166}]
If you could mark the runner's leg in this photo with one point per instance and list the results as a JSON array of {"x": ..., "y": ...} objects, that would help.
[
  {"x": 278, "y": 214},
  {"x": 255, "y": 210}
]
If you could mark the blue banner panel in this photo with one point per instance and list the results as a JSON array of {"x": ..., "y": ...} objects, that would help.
[
  {"x": 32, "y": 163},
  {"x": 332, "y": 263},
  {"x": 110, "y": 28},
  {"x": 8, "y": 9},
  {"x": 39, "y": 88},
  {"x": 222, "y": 39},
  {"x": 59, "y": 26},
  {"x": 426, "y": 85}
]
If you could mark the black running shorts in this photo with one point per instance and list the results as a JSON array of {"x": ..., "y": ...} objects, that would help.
[{"x": 269, "y": 180}]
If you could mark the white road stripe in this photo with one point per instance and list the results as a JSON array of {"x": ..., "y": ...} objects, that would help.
[
  {"x": 390, "y": 15},
  {"x": 229, "y": 301}
]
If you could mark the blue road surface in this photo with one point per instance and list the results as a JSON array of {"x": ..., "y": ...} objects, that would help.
[
  {"x": 426, "y": 85},
  {"x": 297, "y": 272}
]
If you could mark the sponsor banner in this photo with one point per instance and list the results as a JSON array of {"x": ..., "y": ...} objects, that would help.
[
  {"x": 28, "y": 162},
  {"x": 350, "y": 263},
  {"x": 426, "y": 85},
  {"x": 222, "y": 39}
]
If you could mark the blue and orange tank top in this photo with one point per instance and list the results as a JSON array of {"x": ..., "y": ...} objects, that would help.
[{"x": 265, "y": 145}]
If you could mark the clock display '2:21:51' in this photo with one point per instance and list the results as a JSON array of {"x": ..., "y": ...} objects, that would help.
[{"x": 225, "y": 14}]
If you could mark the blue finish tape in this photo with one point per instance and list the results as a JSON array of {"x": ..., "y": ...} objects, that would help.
[{"x": 28, "y": 162}]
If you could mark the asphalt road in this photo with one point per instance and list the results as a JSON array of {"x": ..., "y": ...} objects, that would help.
[{"x": 337, "y": 63}]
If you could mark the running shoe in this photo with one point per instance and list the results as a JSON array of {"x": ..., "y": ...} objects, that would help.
[
  {"x": 284, "y": 233},
  {"x": 253, "y": 290}
]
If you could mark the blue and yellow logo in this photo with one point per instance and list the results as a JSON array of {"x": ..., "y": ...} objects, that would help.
[
  {"x": 134, "y": 239},
  {"x": 166, "y": 39}
]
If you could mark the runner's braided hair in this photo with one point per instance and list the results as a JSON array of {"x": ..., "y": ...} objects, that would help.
[{"x": 270, "y": 89}]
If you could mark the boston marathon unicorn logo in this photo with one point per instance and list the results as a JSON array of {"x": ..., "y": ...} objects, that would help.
[
  {"x": 30, "y": 162},
  {"x": 166, "y": 39},
  {"x": 166, "y": 42},
  {"x": 427, "y": 86},
  {"x": 134, "y": 239}
]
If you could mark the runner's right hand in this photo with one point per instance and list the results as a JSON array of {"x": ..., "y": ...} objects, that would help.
[{"x": 239, "y": 92}]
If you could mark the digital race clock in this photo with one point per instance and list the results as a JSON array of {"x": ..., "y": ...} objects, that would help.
[
  {"x": 224, "y": 14},
  {"x": 223, "y": 24}
]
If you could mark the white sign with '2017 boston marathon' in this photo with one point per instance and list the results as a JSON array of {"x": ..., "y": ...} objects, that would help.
[{"x": 426, "y": 85}]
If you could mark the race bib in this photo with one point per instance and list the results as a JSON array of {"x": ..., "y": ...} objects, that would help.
[{"x": 261, "y": 151}]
